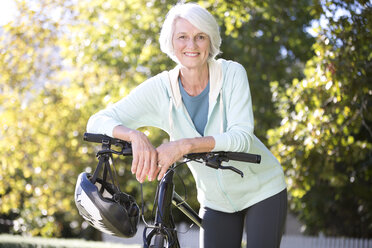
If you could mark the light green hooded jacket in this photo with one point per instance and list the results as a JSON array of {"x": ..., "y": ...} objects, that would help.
[{"x": 157, "y": 102}]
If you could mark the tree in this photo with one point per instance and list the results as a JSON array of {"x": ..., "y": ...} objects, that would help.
[
  {"x": 37, "y": 165},
  {"x": 325, "y": 138}
]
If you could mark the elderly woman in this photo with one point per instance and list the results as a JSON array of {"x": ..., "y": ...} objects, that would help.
[{"x": 204, "y": 105}]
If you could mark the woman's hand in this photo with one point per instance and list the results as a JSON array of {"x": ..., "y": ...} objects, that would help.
[
  {"x": 169, "y": 153},
  {"x": 145, "y": 159}
]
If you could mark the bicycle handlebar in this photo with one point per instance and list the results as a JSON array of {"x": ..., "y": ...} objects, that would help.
[
  {"x": 126, "y": 148},
  {"x": 237, "y": 156},
  {"x": 212, "y": 159},
  {"x": 101, "y": 138}
]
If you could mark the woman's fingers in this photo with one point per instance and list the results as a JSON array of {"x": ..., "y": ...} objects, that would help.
[
  {"x": 163, "y": 169},
  {"x": 154, "y": 169},
  {"x": 144, "y": 156},
  {"x": 147, "y": 164},
  {"x": 137, "y": 164},
  {"x": 168, "y": 153},
  {"x": 134, "y": 163}
]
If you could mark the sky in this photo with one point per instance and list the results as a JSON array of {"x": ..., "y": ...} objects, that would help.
[{"x": 8, "y": 11}]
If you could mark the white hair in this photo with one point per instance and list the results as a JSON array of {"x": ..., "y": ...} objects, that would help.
[{"x": 197, "y": 16}]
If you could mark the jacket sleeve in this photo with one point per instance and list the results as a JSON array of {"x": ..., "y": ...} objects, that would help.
[
  {"x": 238, "y": 113},
  {"x": 141, "y": 107}
]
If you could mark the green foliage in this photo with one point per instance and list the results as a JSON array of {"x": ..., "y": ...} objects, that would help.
[
  {"x": 325, "y": 138},
  {"x": 35, "y": 162}
]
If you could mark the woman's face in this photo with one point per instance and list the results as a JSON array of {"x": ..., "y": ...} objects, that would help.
[{"x": 191, "y": 46}]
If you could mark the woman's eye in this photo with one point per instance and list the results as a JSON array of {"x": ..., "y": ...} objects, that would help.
[
  {"x": 201, "y": 37},
  {"x": 182, "y": 37}
]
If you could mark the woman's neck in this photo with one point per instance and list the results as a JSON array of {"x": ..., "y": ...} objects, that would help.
[{"x": 194, "y": 80}]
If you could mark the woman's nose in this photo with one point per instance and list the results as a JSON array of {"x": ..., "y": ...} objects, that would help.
[{"x": 191, "y": 43}]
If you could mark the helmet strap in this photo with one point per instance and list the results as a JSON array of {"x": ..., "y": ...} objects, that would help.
[
  {"x": 108, "y": 168},
  {"x": 101, "y": 160},
  {"x": 105, "y": 160}
]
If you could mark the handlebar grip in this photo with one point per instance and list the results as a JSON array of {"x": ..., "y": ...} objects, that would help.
[
  {"x": 244, "y": 157},
  {"x": 96, "y": 138},
  {"x": 99, "y": 138}
]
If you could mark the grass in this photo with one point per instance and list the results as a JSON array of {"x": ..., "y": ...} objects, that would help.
[{"x": 17, "y": 241}]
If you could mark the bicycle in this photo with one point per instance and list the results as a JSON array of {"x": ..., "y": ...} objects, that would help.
[{"x": 163, "y": 231}]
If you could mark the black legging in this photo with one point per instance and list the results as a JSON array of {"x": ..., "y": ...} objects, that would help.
[{"x": 264, "y": 225}]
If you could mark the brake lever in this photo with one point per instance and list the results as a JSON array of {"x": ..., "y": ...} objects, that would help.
[
  {"x": 215, "y": 162},
  {"x": 233, "y": 169}
]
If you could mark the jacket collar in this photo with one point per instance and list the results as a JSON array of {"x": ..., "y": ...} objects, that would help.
[{"x": 215, "y": 73}]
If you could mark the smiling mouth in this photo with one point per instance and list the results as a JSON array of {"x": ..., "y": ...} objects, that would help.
[{"x": 191, "y": 54}]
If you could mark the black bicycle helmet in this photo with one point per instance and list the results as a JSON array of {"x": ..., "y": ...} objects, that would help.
[{"x": 105, "y": 207}]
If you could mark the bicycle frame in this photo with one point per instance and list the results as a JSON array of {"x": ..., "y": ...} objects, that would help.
[{"x": 186, "y": 209}]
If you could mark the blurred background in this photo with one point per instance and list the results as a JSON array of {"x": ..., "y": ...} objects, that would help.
[{"x": 308, "y": 63}]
